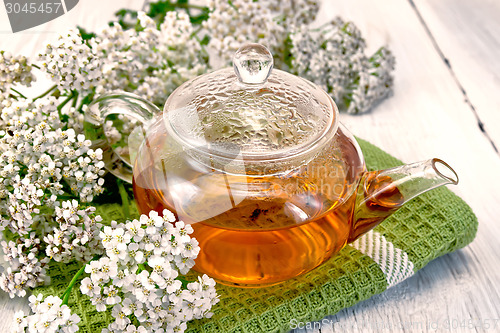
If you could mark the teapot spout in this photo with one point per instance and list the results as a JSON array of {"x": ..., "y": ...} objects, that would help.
[{"x": 381, "y": 193}]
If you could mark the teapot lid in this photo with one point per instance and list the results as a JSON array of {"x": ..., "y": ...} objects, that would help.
[{"x": 251, "y": 111}]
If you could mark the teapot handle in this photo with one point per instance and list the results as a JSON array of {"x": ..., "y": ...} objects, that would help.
[{"x": 118, "y": 160}]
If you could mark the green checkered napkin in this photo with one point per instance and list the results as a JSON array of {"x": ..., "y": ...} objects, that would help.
[{"x": 427, "y": 227}]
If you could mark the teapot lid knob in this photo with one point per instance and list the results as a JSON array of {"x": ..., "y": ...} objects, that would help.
[{"x": 253, "y": 63}]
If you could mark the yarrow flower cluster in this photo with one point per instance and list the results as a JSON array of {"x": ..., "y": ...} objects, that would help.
[
  {"x": 14, "y": 70},
  {"x": 182, "y": 58},
  {"x": 40, "y": 162},
  {"x": 75, "y": 237},
  {"x": 25, "y": 270},
  {"x": 333, "y": 57},
  {"x": 69, "y": 235},
  {"x": 234, "y": 23},
  {"x": 71, "y": 63},
  {"x": 35, "y": 143},
  {"x": 149, "y": 61},
  {"x": 139, "y": 276},
  {"x": 49, "y": 315}
]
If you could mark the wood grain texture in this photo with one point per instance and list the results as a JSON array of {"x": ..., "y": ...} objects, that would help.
[
  {"x": 427, "y": 117},
  {"x": 90, "y": 14},
  {"x": 468, "y": 35}
]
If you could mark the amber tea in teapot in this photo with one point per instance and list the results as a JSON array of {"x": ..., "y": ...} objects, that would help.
[
  {"x": 299, "y": 215},
  {"x": 257, "y": 162}
]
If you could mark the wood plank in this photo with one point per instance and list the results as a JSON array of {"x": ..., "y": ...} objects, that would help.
[
  {"x": 468, "y": 34},
  {"x": 427, "y": 117},
  {"x": 90, "y": 14}
]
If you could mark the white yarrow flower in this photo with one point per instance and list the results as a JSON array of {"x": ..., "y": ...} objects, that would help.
[
  {"x": 145, "y": 284},
  {"x": 49, "y": 315}
]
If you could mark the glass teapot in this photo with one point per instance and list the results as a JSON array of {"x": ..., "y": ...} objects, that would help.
[{"x": 256, "y": 160}]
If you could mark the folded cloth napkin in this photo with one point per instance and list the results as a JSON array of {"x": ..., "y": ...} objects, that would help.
[{"x": 433, "y": 224}]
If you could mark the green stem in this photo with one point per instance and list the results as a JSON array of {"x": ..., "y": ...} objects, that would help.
[
  {"x": 36, "y": 66},
  {"x": 17, "y": 92},
  {"x": 75, "y": 101},
  {"x": 73, "y": 281},
  {"x": 13, "y": 96},
  {"x": 124, "y": 197},
  {"x": 195, "y": 33},
  {"x": 22, "y": 164},
  {"x": 67, "y": 197},
  {"x": 66, "y": 101},
  {"x": 86, "y": 100},
  {"x": 71, "y": 285},
  {"x": 45, "y": 93},
  {"x": 141, "y": 268}
]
